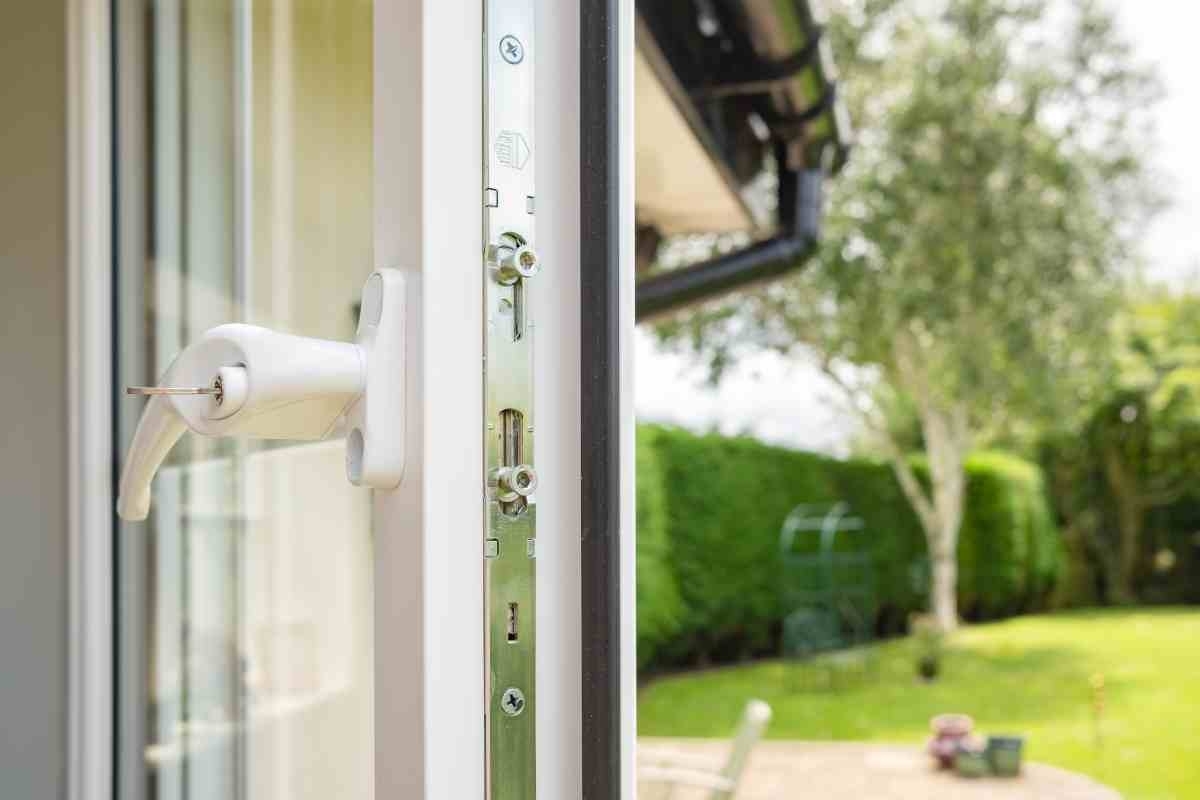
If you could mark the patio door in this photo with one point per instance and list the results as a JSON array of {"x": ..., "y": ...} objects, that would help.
[
  {"x": 280, "y": 633},
  {"x": 245, "y": 658}
]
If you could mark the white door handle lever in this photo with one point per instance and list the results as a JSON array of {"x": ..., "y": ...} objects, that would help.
[{"x": 252, "y": 381}]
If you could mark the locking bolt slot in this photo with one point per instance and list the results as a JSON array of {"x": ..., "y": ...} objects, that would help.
[
  {"x": 512, "y": 622},
  {"x": 518, "y": 310},
  {"x": 514, "y": 482},
  {"x": 512, "y": 445}
]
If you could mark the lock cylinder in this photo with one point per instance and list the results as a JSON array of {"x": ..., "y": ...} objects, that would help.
[{"x": 231, "y": 386}]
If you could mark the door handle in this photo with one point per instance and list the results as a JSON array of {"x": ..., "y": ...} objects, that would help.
[{"x": 245, "y": 380}]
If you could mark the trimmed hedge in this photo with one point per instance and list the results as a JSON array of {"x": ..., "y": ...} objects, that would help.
[
  {"x": 660, "y": 607},
  {"x": 709, "y": 514},
  {"x": 1009, "y": 548}
]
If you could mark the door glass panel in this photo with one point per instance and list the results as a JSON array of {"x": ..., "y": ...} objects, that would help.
[{"x": 244, "y": 613}]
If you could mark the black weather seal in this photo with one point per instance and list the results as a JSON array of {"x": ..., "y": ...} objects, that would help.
[
  {"x": 763, "y": 76},
  {"x": 600, "y": 400}
]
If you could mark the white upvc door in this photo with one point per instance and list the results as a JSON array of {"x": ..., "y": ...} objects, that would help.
[
  {"x": 279, "y": 632},
  {"x": 429, "y": 570}
]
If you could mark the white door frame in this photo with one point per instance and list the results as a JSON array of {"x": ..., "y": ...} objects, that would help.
[
  {"x": 89, "y": 386},
  {"x": 428, "y": 571}
]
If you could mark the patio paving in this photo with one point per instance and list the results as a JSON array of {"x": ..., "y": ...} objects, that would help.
[{"x": 782, "y": 770}]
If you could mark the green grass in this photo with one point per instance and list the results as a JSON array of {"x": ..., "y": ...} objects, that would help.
[{"x": 1028, "y": 675}]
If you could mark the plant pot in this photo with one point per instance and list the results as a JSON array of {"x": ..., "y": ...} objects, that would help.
[
  {"x": 949, "y": 732},
  {"x": 970, "y": 763},
  {"x": 1004, "y": 755}
]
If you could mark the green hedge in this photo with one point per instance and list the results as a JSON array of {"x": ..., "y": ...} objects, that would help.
[
  {"x": 1009, "y": 548},
  {"x": 660, "y": 607},
  {"x": 709, "y": 514}
]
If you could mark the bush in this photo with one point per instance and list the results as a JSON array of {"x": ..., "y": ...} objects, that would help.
[
  {"x": 709, "y": 517},
  {"x": 1009, "y": 550},
  {"x": 725, "y": 499},
  {"x": 660, "y": 608},
  {"x": 1087, "y": 514}
]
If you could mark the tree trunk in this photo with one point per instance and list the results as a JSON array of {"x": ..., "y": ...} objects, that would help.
[
  {"x": 943, "y": 590},
  {"x": 947, "y": 478},
  {"x": 1131, "y": 515},
  {"x": 1131, "y": 522},
  {"x": 945, "y": 429},
  {"x": 940, "y": 511}
]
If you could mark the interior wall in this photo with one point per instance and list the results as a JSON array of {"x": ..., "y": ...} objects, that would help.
[{"x": 33, "y": 415}]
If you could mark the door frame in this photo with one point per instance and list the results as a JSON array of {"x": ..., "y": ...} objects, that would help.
[
  {"x": 425, "y": 739},
  {"x": 89, "y": 756}
]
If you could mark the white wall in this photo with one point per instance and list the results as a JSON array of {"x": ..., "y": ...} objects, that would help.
[{"x": 33, "y": 392}]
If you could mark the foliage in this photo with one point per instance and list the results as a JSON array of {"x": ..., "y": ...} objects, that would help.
[
  {"x": 660, "y": 608},
  {"x": 1010, "y": 552},
  {"x": 1029, "y": 675},
  {"x": 1133, "y": 460},
  {"x": 723, "y": 500},
  {"x": 976, "y": 238}
]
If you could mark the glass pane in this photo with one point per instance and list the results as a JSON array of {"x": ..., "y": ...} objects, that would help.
[{"x": 245, "y": 609}]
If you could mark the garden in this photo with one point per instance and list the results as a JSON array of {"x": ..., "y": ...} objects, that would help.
[
  {"x": 1018, "y": 479},
  {"x": 1091, "y": 689},
  {"x": 1035, "y": 675}
]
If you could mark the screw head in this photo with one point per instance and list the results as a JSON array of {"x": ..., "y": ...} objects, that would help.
[
  {"x": 512, "y": 702},
  {"x": 511, "y": 49}
]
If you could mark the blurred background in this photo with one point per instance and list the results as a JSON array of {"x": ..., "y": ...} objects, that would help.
[{"x": 928, "y": 477}]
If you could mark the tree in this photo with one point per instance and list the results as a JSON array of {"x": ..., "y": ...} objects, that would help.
[
  {"x": 1139, "y": 448},
  {"x": 975, "y": 239}
]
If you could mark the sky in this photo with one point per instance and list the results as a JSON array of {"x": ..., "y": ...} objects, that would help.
[{"x": 783, "y": 402}]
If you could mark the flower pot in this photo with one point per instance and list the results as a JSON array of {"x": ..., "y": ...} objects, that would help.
[
  {"x": 949, "y": 731},
  {"x": 1004, "y": 755},
  {"x": 971, "y": 763}
]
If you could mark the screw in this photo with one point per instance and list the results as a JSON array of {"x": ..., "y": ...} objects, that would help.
[
  {"x": 512, "y": 702},
  {"x": 512, "y": 50}
]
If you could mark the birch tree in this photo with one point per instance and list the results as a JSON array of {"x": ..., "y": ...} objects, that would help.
[{"x": 975, "y": 240}]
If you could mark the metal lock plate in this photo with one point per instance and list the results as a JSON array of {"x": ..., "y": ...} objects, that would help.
[{"x": 510, "y": 264}]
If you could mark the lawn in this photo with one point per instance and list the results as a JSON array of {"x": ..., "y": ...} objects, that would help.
[{"x": 1029, "y": 675}]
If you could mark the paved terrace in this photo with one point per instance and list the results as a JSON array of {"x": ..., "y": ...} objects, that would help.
[{"x": 781, "y": 770}]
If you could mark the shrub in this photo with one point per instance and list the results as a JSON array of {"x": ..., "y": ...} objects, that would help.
[
  {"x": 709, "y": 517},
  {"x": 659, "y": 607},
  {"x": 1008, "y": 546},
  {"x": 1087, "y": 514},
  {"x": 725, "y": 500}
]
